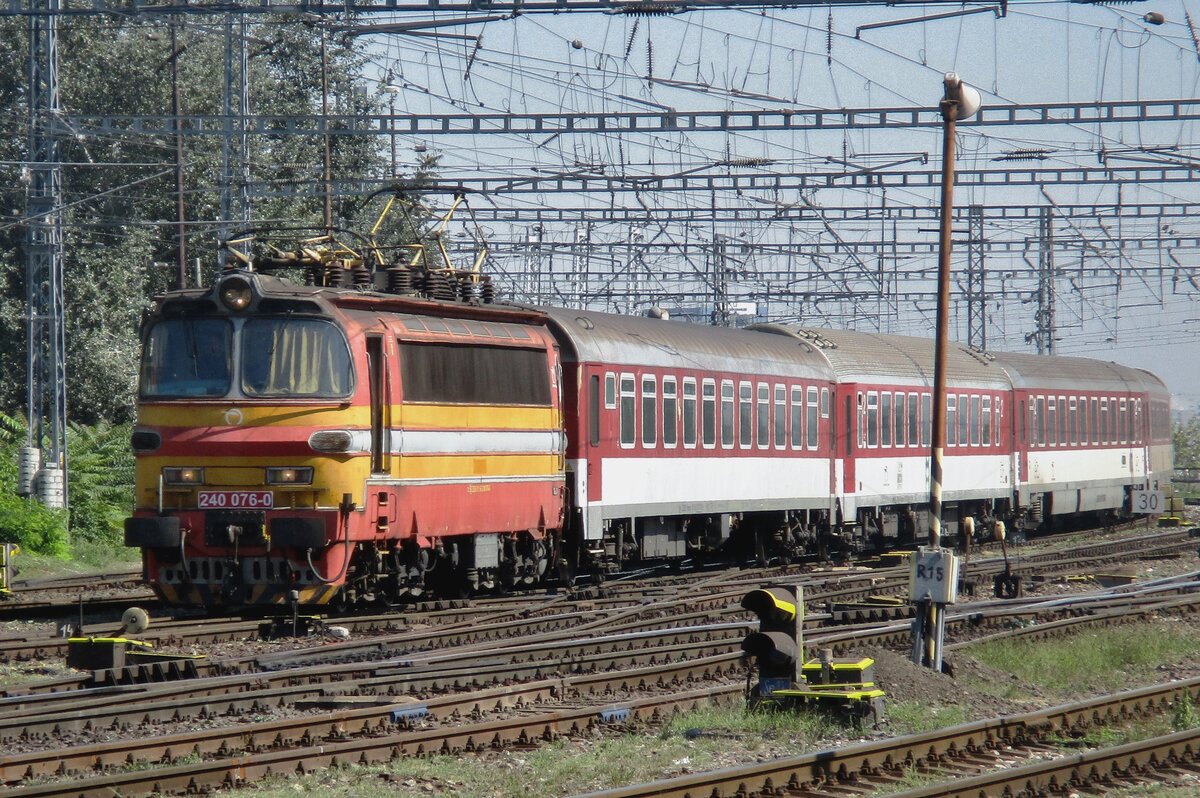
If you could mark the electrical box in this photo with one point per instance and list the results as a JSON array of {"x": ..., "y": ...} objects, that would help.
[{"x": 933, "y": 576}]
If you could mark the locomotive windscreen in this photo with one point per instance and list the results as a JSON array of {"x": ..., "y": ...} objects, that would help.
[
  {"x": 294, "y": 357},
  {"x": 493, "y": 375},
  {"x": 187, "y": 357}
]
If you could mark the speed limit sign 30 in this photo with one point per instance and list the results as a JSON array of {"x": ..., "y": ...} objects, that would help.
[{"x": 1149, "y": 502}]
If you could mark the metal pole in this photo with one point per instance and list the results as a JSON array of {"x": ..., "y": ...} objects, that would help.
[
  {"x": 327, "y": 174},
  {"x": 176, "y": 109},
  {"x": 950, "y": 115}
]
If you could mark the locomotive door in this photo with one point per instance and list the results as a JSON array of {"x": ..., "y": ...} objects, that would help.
[{"x": 382, "y": 502}]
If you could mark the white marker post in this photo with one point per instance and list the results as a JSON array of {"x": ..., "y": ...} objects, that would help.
[{"x": 932, "y": 584}]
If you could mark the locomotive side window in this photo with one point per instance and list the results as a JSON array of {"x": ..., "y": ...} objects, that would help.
[
  {"x": 951, "y": 420},
  {"x": 781, "y": 417},
  {"x": 610, "y": 390},
  {"x": 628, "y": 389},
  {"x": 689, "y": 412},
  {"x": 812, "y": 417},
  {"x": 798, "y": 416},
  {"x": 899, "y": 427},
  {"x": 710, "y": 414},
  {"x": 458, "y": 374},
  {"x": 726, "y": 413},
  {"x": 745, "y": 411},
  {"x": 670, "y": 412},
  {"x": 303, "y": 357},
  {"x": 885, "y": 419},
  {"x": 974, "y": 420},
  {"x": 188, "y": 357},
  {"x": 649, "y": 411},
  {"x": 763, "y": 416}
]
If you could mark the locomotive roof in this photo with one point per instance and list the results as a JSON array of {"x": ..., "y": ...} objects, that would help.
[
  {"x": 895, "y": 359},
  {"x": 609, "y": 338},
  {"x": 1031, "y": 372}
]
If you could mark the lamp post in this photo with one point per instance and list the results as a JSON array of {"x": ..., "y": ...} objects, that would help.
[
  {"x": 933, "y": 581},
  {"x": 959, "y": 102}
]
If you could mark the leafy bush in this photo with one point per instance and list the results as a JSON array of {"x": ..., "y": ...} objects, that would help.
[{"x": 100, "y": 489}]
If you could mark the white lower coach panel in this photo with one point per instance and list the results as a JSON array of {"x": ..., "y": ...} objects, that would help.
[
  {"x": 1081, "y": 466},
  {"x": 880, "y": 479},
  {"x": 704, "y": 482}
]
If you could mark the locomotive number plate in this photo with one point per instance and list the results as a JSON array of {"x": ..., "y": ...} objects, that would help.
[{"x": 234, "y": 499}]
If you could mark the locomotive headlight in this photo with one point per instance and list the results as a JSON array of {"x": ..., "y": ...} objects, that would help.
[
  {"x": 183, "y": 476},
  {"x": 236, "y": 294},
  {"x": 290, "y": 476},
  {"x": 331, "y": 441}
]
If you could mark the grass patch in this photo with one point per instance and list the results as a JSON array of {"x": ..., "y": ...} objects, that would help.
[
  {"x": 86, "y": 557},
  {"x": 1104, "y": 660},
  {"x": 912, "y": 717},
  {"x": 689, "y": 742}
]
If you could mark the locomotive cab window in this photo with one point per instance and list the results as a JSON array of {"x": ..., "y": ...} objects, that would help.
[
  {"x": 294, "y": 357},
  {"x": 188, "y": 357}
]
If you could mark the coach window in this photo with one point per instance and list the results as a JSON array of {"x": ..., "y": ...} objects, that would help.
[
  {"x": 610, "y": 390},
  {"x": 824, "y": 403},
  {"x": 670, "y": 412},
  {"x": 885, "y": 419},
  {"x": 987, "y": 421},
  {"x": 1137, "y": 421},
  {"x": 899, "y": 427},
  {"x": 974, "y": 420},
  {"x": 1022, "y": 424},
  {"x": 1062, "y": 421},
  {"x": 1052, "y": 421},
  {"x": 811, "y": 418},
  {"x": 964, "y": 419},
  {"x": 689, "y": 412},
  {"x": 1123, "y": 422},
  {"x": 951, "y": 420},
  {"x": 872, "y": 420},
  {"x": 926, "y": 419},
  {"x": 914, "y": 419},
  {"x": 1095, "y": 426},
  {"x": 798, "y": 416},
  {"x": 1103, "y": 420},
  {"x": 649, "y": 410},
  {"x": 764, "y": 415},
  {"x": 594, "y": 409},
  {"x": 1041, "y": 420},
  {"x": 1073, "y": 424},
  {"x": 628, "y": 397},
  {"x": 1083, "y": 420},
  {"x": 745, "y": 414},
  {"x": 709, "y": 414},
  {"x": 727, "y": 424},
  {"x": 781, "y": 417}
]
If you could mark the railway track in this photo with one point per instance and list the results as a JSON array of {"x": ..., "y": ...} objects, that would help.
[{"x": 981, "y": 757}]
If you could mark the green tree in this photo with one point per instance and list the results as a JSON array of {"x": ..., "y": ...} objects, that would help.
[
  {"x": 119, "y": 188},
  {"x": 1187, "y": 443}
]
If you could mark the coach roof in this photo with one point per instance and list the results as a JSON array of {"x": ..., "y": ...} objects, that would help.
[
  {"x": 591, "y": 337},
  {"x": 895, "y": 359},
  {"x": 1055, "y": 372}
]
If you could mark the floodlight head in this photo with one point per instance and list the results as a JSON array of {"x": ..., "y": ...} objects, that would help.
[{"x": 967, "y": 97}]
